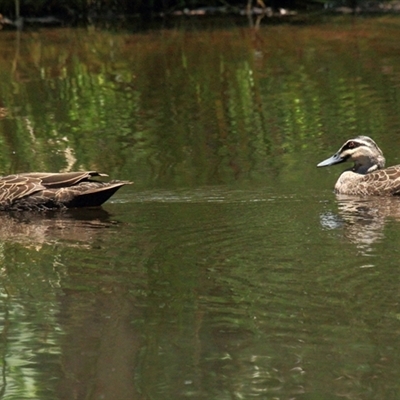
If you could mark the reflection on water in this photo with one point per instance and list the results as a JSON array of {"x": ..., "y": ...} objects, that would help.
[
  {"x": 229, "y": 270},
  {"x": 363, "y": 219},
  {"x": 36, "y": 229},
  {"x": 197, "y": 293}
]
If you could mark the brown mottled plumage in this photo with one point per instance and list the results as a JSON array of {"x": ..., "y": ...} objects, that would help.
[
  {"x": 367, "y": 177},
  {"x": 42, "y": 191}
]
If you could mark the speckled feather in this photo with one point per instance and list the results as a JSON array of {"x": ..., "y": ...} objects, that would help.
[{"x": 384, "y": 182}]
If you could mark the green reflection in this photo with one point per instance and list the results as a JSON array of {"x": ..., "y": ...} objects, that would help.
[{"x": 168, "y": 111}]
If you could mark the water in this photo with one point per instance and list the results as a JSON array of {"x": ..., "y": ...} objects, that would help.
[{"x": 229, "y": 270}]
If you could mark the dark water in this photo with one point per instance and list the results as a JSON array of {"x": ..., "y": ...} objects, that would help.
[{"x": 229, "y": 270}]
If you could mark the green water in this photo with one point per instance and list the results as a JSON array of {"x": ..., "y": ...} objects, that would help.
[{"x": 229, "y": 270}]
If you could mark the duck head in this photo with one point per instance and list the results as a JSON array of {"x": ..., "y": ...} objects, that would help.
[{"x": 361, "y": 150}]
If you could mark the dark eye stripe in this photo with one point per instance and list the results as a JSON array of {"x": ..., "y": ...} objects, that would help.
[{"x": 351, "y": 145}]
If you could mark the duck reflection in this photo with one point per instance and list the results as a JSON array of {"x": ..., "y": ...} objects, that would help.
[
  {"x": 74, "y": 227},
  {"x": 362, "y": 218}
]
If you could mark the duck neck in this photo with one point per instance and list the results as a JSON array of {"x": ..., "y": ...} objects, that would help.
[{"x": 370, "y": 165}]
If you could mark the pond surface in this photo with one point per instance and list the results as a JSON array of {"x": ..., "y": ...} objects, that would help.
[{"x": 229, "y": 270}]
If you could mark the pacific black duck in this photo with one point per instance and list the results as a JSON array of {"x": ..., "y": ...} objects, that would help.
[
  {"x": 42, "y": 190},
  {"x": 368, "y": 176}
]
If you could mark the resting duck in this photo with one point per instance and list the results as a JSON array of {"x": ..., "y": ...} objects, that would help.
[
  {"x": 44, "y": 191},
  {"x": 367, "y": 177}
]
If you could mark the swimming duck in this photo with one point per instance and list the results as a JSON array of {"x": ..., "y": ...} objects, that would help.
[
  {"x": 368, "y": 176},
  {"x": 44, "y": 191}
]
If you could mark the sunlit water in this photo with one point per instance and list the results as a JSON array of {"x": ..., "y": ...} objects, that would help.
[{"x": 229, "y": 270}]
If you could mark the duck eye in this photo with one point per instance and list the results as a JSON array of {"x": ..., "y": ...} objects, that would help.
[{"x": 352, "y": 145}]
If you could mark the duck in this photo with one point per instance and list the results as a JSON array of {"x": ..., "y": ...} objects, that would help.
[
  {"x": 57, "y": 190},
  {"x": 368, "y": 175}
]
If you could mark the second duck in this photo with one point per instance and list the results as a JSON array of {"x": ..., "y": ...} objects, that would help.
[{"x": 368, "y": 176}]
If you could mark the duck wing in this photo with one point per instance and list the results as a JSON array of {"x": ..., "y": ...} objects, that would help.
[
  {"x": 14, "y": 187},
  {"x": 384, "y": 182},
  {"x": 61, "y": 179},
  {"x": 84, "y": 194}
]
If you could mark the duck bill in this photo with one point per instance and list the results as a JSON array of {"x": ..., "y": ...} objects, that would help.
[{"x": 335, "y": 159}]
